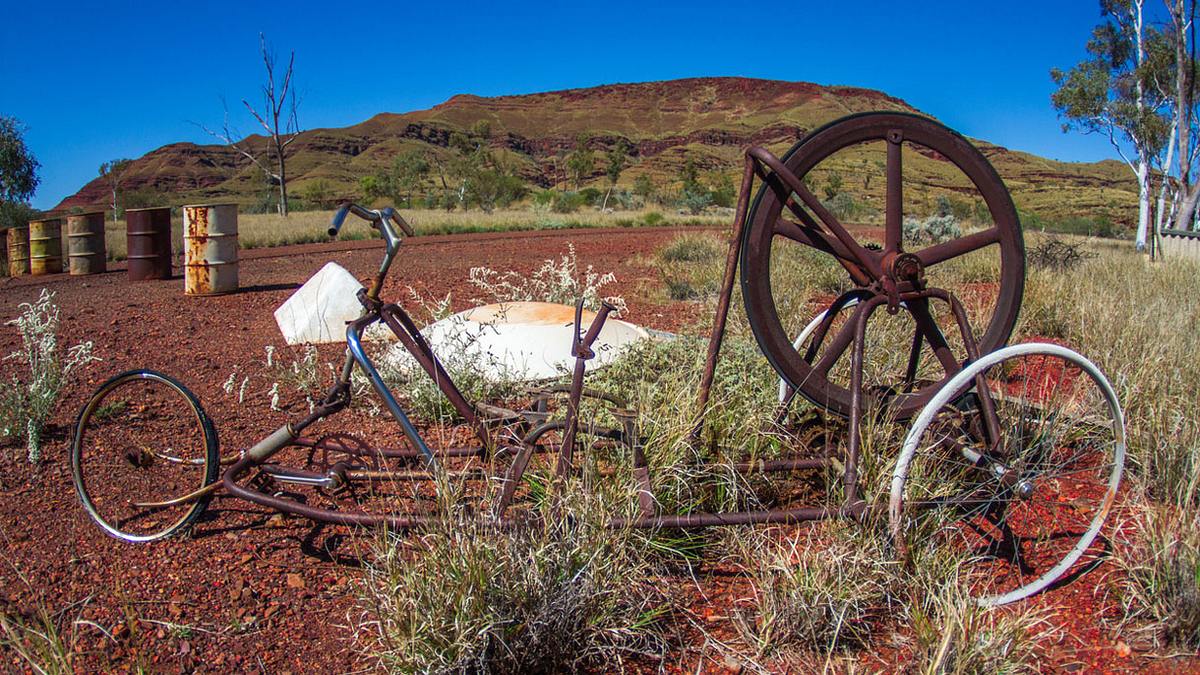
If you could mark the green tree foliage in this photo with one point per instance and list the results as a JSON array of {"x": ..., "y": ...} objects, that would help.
[
  {"x": 18, "y": 171},
  {"x": 1097, "y": 95},
  {"x": 643, "y": 186},
  {"x": 15, "y": 214},
  {"x": 689, "y": 176},
  {"x": 372, "y": 187},
  {"x": 482, "y": 178},
  {"x": 1117, "y": 92},
  {"x": 409, "y": 170},
  {"x": 833, "y": 185},
  {"x": 318, "y": 193},
  {"x": 113, "y": 173},
  {"x": 723, "y": 192},
  {"x": 582, "y": 162},
  {"x": 617, "y": 157}
]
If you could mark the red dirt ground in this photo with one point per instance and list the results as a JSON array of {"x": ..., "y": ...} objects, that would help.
[{"x": 263, "y": 594}]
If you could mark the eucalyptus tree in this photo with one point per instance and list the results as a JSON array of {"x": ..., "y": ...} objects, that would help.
[{"x": 1115, "y": 92}]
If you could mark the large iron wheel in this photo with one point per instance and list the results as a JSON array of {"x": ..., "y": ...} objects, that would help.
[{"x": 785, "y": 212}]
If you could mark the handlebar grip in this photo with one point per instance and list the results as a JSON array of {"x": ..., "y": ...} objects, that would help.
[{"x": 338, "y": 218}]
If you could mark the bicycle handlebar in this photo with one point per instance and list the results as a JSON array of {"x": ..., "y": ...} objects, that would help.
[{"x": 381, "y": 220}]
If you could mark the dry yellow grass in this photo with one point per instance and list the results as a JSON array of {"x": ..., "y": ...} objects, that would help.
[{"x": 259, "y": 230}]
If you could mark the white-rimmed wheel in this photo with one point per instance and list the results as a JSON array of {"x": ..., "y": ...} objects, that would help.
[{"x": 1018, "y": 496}]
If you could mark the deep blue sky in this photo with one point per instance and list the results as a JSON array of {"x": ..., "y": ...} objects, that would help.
[{"x": 95, "y": 81}]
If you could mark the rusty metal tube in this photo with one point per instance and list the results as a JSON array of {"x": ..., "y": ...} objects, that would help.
[
  {"x": 278, "y": 440},
  {"x": 698, "y": 520},
  {"x": 726, "y": 294},
  {"x": 354, "y": 344},
  {"x": 231, "y": 476}
]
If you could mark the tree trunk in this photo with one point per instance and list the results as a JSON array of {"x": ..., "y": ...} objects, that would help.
[
  {"x": 1166, "y": 182},
  {"x": 1184, "y": 100},
  {"x": 1143, "y": 174},
  {"x": 283, "y": 203},
  {"x": 1143, "y": 167}
]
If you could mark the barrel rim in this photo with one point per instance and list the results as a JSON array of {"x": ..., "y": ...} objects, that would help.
[
  {"x": 209, "y": 205},
  {"x": 149, "y": 208},
  {"x": 87, "y": 213}
]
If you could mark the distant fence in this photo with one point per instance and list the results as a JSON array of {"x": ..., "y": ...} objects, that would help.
[{"x": 1180, "y": 244}]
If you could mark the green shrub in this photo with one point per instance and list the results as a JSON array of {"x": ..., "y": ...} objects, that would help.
[
  {"x": 695, "y": 201},
  {"x": 932, "y": 230},
  {"x": 567, "y": 202},
  {"x": 26, "y": 406},
  {"x": 653, "y": 218}
]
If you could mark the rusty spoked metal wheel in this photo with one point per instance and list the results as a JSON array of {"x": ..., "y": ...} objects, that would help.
[
  {"x": 142, "y": 445},
  {"x": 781, "y": 217},
  {"x": 1016, "y": 504}
]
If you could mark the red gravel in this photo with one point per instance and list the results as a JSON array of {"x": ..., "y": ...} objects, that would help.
[{"x": 266, "y": 594}]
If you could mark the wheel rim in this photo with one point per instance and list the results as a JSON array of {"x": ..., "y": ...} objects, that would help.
[
  {"x": 760, "y": 298},
  {"x": 1062, "y": 432},
  {"x": 142, "y": 438}
]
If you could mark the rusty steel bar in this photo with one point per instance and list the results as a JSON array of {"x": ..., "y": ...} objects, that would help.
[
  {"x": 410, "y": 336},
  {"x": 894, "y": 209},
  {"x": 191, "y": 496},
  {"x": 723, "y": 299},
  {"x": 772, "y": 516},
  {"x": 233, "y": 473},
  {"x": 776, "y": 465},
  {"x": 210, "y": 249},
  {"x": 354, "y": 346},
  {"x": 382, "y": 476},
  {"x": 87, "y": 252},
  {"x": 850, "y": 475},
  {"x": 867, "y": 260},
  {"x": 581, "y": 349},
  {"x": 393, "y": 453}
]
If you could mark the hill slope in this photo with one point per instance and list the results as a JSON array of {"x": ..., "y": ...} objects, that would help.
[{"x": 709, "y": 120}]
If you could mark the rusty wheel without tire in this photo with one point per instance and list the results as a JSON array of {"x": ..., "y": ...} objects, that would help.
[
  {"x": 785, "y": 214},
  {"x": 141, "y": 444}
]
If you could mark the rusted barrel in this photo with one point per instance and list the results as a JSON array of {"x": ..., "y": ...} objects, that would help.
[
  {"x": 45, "y": 246},
  {"x": 148, "y": 243},
  {"x": 210, "y": 249},
  {"x": 86, "y": 252},
  {"x": 18, "y": 251}
]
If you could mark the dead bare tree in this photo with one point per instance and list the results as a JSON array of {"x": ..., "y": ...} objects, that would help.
[{"x": 278, "y": 119}]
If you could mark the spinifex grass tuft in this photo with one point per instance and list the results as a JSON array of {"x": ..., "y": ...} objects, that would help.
[{"x": 466, "y": 596}]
